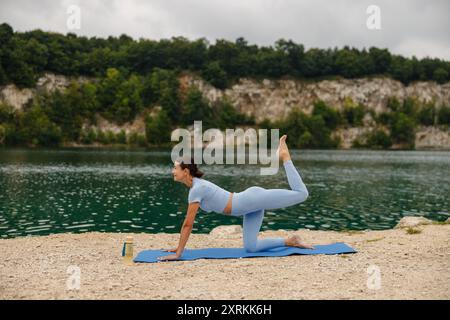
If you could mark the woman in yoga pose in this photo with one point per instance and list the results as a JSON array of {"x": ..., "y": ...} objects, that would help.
[{"x": 249, "y": 203}]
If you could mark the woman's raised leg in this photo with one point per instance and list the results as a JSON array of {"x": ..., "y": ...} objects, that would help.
[{"x": 258, "y": 198}]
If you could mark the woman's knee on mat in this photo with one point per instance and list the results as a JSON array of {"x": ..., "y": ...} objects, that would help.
[{"x": 250, "y": 246}]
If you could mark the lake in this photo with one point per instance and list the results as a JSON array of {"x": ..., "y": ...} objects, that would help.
[{"x": 46, "y": 191}]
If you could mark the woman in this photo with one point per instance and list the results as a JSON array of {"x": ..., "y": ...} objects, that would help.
[{"x": 249, "y": 203}]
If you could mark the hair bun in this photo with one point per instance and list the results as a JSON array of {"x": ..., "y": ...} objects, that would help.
[{"x": 191, "y": 165}]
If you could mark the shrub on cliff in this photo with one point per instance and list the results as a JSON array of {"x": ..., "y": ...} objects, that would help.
[
  {"x": 376, "y": 139},
  {"x": 401, "y": 120},
  {"x": 214, "y": 74},
  {"x": 332, "y": 118},
  {"x": 224, "y": 115},
  {"x": 427, "y": 115},
  {"x": 2, "y": 134},
  {"x": 444, "y": 115},
  {"x": 307, "y": 131},
  {"x": 35, "y": 128},
  {"x": 158, "y": 128},
  {"x": 352, "y": 114}
]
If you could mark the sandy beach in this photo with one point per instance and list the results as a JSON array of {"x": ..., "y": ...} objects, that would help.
[{"x": 390, "y": 264}]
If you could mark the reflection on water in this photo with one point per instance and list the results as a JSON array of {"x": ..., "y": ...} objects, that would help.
[{"x": 52, "y": 191}]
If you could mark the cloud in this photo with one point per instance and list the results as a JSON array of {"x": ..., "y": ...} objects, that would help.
[{"x": 409, "y": 27}]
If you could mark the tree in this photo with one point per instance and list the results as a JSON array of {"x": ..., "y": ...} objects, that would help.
[
  {"x": 347, "y": 63},
  {"x": 196, "y": 107},
  {"x": 272, "y": 63},
  {"x": 214, "y": 74},
  {"x": 427, "y": 114},
  {"x": 128, "y": 100},
  {"x": 353, "y": 113},
  {"x": 226, "y": 116},
  {"x": 161, "y": 87},
  {"x": 37, "y": 129},
  {"x": 440, "y": 75},
  {"x": 402, "y": 129},
  {"x": 330, "y": 116},
  {"x": 444, "y": 115},
  {"x": 158, "y": 128},
  {"x": 381, "y": 59},
  {"x": 295, "y": 54},
  {"x": 2, "y": 134},
  {"x": 401, "y": 69}
]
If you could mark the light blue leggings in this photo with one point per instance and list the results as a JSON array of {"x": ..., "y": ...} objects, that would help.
[{"x": 252, "y": 202}]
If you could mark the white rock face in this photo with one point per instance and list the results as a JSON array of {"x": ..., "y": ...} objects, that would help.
[
  {"x": 226, "y": 231},
  {"x": 274, "y": 99},
  {"x": 14, "y": 96},
  {"x": 432, "y": 137},
  {"x": 49, "y": 82},
  {"x": 409, "y": 222},
  {"x": 137, "y": 125}
]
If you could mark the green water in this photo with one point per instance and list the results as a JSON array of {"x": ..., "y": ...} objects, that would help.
[{"x": 54, "y": 191}]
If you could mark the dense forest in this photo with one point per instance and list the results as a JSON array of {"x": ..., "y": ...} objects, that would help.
[
  {"x": 25, "y": 55},
  {"x": 133, "y": 75}
]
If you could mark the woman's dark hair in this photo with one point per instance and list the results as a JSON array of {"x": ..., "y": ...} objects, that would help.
[{"x": 190, "y": 164}]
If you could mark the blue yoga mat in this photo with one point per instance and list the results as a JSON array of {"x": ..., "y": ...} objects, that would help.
[{"x": 233, "y": 253}]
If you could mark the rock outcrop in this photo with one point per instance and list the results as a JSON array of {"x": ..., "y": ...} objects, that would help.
[
  {"x": 226, "y": 231},
  {"x": 411, "y": 221},
  {"x": 274, "y": 99},
  {"x": 49, "y": 82}
]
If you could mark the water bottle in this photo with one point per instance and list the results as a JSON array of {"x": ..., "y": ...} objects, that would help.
[{"x": 127, "y": 251}]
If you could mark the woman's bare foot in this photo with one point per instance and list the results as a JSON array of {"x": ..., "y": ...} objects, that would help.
[
  {"x": 283, "y": 151},
  {"x": 295, "y": 241}
]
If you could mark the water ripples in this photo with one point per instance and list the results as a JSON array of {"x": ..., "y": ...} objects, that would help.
[{"x": 51, "y": 191}]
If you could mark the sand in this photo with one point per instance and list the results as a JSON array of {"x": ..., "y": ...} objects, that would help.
[{"x": 390, "y": 264}]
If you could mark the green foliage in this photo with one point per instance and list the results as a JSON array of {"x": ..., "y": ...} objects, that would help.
[
  {"x": 402, "y": 120},
  {"x": 330, "y": 116},
  {"x": 376, "y": 139},
  {"x": 402, "y": 129},
  {"x": 137, "y": 139},
  {"x": 137, "y": 74},
  {"x": 121, "y": 137},
  {"x": 158, "y": 128},
  {"x": 7, "y": 113},
  {"x": 110, "y": 137},
  {"x": 224, "y": 116},
  {"x": 440, "y": 75},
  {"x": 214, "y": 74},
  {"x": 196, "y": 107},
  {"x": 25, "y": 55},
  {"x": 352, "y": 114},
  {"x": 427, "y": 115},
  {"x": 307, "y": 131},
  {"x": 444, "y": 115},
  {"x": 101, "y": 137},
  {"x": 89, "y": 136},
  {"x": 120, "y": 98},
  {"x": 37, "y": 129},
  {"x": 2, "y": 134},
  {"x": 161, "y": 87}
]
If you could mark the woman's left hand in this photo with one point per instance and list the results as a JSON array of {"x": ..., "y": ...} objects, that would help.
[{"x": 170, "y": 257}]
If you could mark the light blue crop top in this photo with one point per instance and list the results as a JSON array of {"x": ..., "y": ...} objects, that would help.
[{"x": 211, "y": 196}]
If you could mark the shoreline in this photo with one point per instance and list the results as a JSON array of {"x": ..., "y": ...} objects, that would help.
[
  {"x": 408, "y": 265},
  {"x": 152, "y": 148}
]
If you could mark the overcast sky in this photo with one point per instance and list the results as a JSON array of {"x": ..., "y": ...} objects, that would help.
[{"x": 408, "y": 27}]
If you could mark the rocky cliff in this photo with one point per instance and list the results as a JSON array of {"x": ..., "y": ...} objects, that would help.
[{"x": 274, "y": 99}]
